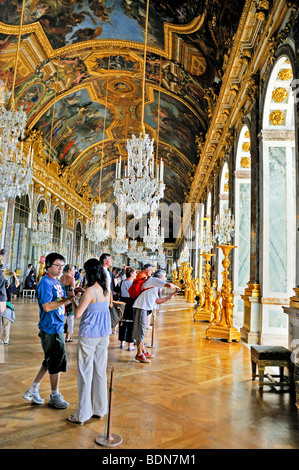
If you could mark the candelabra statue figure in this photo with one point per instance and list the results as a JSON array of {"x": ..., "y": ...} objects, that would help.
[
  {"x": 205, "y": 311},
  {"x": 224, "y": 329},
  {"x": 190, "y": 287}
]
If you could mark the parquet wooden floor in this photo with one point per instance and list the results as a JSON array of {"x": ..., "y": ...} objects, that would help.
[{"x": 195, "y": 394}]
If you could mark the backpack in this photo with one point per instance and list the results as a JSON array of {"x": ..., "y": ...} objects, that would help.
[{"x": 136, "y": 288}]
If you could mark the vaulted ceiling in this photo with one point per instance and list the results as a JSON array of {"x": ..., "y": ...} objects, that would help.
[{"x": 79, "y": 77}]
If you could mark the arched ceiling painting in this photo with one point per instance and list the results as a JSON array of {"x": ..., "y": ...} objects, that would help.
[{"x": 79, "y": 77}]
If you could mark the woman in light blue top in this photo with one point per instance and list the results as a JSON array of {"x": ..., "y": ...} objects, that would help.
[{"x": 93, "y": 341}]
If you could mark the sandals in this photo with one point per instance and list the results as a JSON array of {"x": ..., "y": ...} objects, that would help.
[
  {"x": 71, "y": 419},
  {"x": 69, "y": 340}
]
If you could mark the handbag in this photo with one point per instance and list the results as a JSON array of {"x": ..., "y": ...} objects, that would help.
[{"x": 116, "y": 312}]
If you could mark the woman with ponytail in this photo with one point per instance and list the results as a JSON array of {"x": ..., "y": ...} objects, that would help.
[{"x": 93, "y": 341}]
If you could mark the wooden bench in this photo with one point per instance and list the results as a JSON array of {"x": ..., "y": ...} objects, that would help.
[
  {"x": 28, "y": 293},
  {"x": 272, "y": 356}
]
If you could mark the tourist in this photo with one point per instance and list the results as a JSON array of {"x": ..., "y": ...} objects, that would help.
[
  {"x": 51, "y": 301},
  {"x": 30, "y": 280},
  {"x": 126, "y": 324},
  {"x": 143, "y": 306},
  {"x": 93, "y": 341},
  {"x": 68, "y": 282},
  {"x": 8, "y": 316}
]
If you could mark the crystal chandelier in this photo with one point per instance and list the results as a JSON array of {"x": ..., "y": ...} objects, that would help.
[
  {"x": 139, "y": 190},
  {"x": 97, "y": 229},
  {"x": 15, "y": 168},
  {"x": 224, "y": 228},
  {"x": 161, "y": 258},
  {"x": 206, "y": 241},
  {"x": 42, "y": 230},
  {"x": 132, "y": 251},
  {"x": 120, "y": 243},
  {"x": 184, "y": 256},
  {"x": 141, "y": 254},
  {"x": 154, "y": 239},
  {"x": 117, "y": 260},
  {"x": 15, "y": 171}
]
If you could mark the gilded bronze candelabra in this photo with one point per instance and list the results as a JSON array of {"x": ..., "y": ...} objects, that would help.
[
  {"x": 205, "y": 311},
  {"x": 224, "y": 329}
]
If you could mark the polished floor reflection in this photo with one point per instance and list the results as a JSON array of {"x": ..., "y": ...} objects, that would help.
[{"x": 195, "y": 393}]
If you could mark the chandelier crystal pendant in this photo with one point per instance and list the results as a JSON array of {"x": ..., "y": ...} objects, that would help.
[
  {"x": 154, "y": 239},
  {"x": 97, "y": 229},
  {"x": 224, "y": 228},
  {"x": 120, "y": 243},
  {"x": 15, "y": 168}
]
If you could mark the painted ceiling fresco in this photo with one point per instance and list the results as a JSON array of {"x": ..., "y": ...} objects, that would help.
[{"x": 79, "y": 78}]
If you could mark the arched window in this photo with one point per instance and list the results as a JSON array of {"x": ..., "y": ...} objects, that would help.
[
  {"x": 69, "y": 247},
  {"x": 22, "y": 210},
  {"x": 57, "y": 230},
  {"x": 278, "y": 199},
  {"x": 209, "y": 205},
  {"x": 223, "y": 206},
  {"x": 78, "y": 244},
  {"x": 241, "y": 271},
  {"x": 20, "y": 245},
  {"x": 40, "y": 206}
]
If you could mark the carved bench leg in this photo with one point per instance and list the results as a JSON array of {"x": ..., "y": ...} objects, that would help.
[
  {"x": 253, "y": 368},
  {"x": 261, "y": 376},
  {"x": 281, "y": 369}
]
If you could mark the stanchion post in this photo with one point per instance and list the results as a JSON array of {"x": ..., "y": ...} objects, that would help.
[
  {"x": 153, "y": 331},
  {"x": 109, "y": 440}
]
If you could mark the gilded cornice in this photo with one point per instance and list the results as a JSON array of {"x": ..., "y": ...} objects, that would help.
[
  {"x": 169, "y": 31},
  {"x": 239, "y": 87}
]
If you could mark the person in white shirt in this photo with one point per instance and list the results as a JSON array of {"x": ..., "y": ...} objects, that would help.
[{"x": 143, "y": 306}]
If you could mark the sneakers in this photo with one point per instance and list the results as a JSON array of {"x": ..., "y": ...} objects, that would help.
[
  {"x": 147, "y": 354},
  {"x": 34, "y": 397},
  {"x": 57, "y": 401},
  {"x": 142, "y": 358}
]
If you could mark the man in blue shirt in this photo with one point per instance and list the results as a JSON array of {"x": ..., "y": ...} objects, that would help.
[{"x": 51, "y": 300}]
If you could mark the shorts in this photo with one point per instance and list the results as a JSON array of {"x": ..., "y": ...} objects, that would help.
[
  {"x": 139, "y": 326},
  {"x": 55, "y": 359}
]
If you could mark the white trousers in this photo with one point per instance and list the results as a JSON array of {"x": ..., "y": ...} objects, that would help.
[
  {"x": 6, "y": 324},
  {"x": 92, "y": 377}
]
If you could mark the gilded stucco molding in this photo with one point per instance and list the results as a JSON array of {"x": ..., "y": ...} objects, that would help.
[{"x": 243, "y": 86}]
